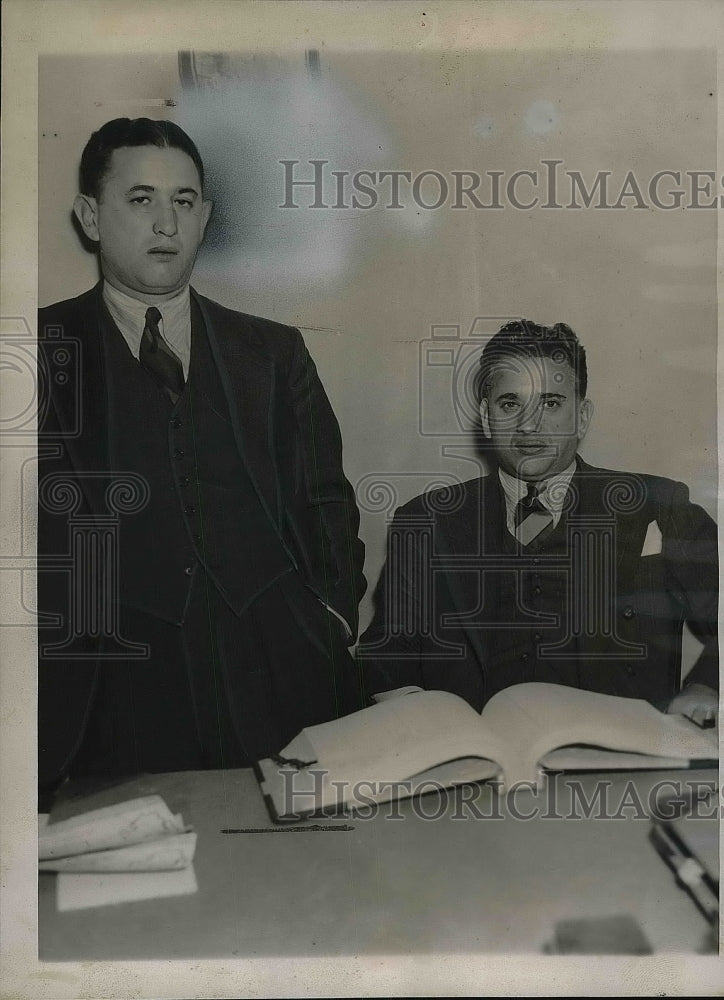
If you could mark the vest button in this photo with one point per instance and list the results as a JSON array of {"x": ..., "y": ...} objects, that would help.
[
  {"x": 628, "y": 612},
  {"x": 524, "y": 656},
  {"x": 178, "y": 453},
  {"x": 537, "y": 637},
  {"x": 537, "y": 591},
  {"x": 188, "y": 570},
  {"x": 630, "y": 670},
  {"x": 176, "y": 423},
  {"x": 536, "y": 561},
  {"x": 184, "y": 481},
  {"x": 188, "y": 509}
]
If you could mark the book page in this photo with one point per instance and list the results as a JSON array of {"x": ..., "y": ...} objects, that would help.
[
  {"x": 537, "y": 718},
  {"x": 587, "y": 758},
  {"x": 398, "y": 738}
]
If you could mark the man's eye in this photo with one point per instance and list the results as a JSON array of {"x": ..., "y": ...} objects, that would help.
[
  {"x": 552, "y": 404},
  {"x": 141, "y": 199},
  {"x": 184, "y": 202},
  {"x": 508, "y": 405}
]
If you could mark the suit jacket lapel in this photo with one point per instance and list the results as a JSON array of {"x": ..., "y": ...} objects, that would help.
[
  {"x": 247, "y": 377},
  {"x": 614, "y": 500},
  {"x": 496, "y": 533},
  {"x": 599, "y": 493}
]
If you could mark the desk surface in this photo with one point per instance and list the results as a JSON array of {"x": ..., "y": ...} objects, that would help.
[{"x": 387, "y": 886}]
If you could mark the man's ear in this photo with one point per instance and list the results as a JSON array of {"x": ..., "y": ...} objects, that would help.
[
  {"x": 585, "y": 412},
  {"x": 484, "y": 417},
  {"x": 86, "y": 212},
  {"x": 206, "y": 209}
]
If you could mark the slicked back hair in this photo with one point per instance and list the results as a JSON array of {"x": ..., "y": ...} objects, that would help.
[
  {"x": 123, "y": 132},
  {"x": 524, "y": 339}
]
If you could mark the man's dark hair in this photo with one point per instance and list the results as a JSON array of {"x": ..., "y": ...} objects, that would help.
[
  {"x": 523, "y": 338},
  {"x": 122, "y": 132}
]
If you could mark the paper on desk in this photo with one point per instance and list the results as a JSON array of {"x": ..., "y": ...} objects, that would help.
[
  {"x": 82, "y": 891},
  {"x": 121, "y": 825},
  {"x": 166, "y": 854}
]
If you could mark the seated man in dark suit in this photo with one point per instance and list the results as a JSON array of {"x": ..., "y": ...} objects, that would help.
[
  {"x": 547, "y": 569},
  {"x": 199, "y": 562}
]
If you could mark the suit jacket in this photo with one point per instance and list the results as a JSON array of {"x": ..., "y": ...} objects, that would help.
[
  {"x": 436, "y": 616},
  {"x": 286, "y": 434}
]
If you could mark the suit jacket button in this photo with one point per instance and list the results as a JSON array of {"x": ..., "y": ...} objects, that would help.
[
  {"x": 537, "y": 591},
  {"x": 524, "y": 656},
  {"x": 189, "y": 509},
  {"x": 628, "y": 612},
  {"x": 188, "y": 570},
  {"x": 630, "y": 670},
  {"x": 178, "y": 453},
  {"x": 176, "y": 423}
]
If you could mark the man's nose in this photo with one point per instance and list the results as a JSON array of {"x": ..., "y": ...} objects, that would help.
[
  {"x": 530, "y": 418},
  {"x": 165, "y": 223}
]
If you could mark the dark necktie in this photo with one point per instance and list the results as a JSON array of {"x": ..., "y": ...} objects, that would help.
[
  {"x": 158, "y": 358},
  {"x": 530, "y": 516}
]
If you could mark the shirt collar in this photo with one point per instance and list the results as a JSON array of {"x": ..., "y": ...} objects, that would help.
[
  {"x": 552, "y": 492},
  {"x": 132, "y": 312}
]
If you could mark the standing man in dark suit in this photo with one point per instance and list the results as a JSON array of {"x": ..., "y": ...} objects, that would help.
[
  {"x": 191, "y": 471},
  {"x": 547, "y": 569}
]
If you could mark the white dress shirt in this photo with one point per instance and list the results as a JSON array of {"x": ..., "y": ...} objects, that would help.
[
  {"x": 552, "y": 493},
  {"x": 129, "y": 315}
]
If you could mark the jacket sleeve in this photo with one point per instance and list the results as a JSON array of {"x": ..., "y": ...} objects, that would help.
[
  {"x": 691, "y": 559},
  {"x": 325, "y": 523}
]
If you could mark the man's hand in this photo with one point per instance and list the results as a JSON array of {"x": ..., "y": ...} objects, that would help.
[{"x": 698, "y": 703}]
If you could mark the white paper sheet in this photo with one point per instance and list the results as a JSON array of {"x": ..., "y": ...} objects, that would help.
[
  {"x": 83, "y": 891},
  {"x": 142, "y": 819},
  {"x": 167, "y": 854}
]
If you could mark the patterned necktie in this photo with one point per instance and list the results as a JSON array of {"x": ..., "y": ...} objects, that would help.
[
  {"x": 158, "y": 358},
  {"x": 530, "y": 516}
]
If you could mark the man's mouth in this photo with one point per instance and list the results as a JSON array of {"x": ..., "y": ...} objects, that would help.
[
  {"x": 163, "y": 252},
  {"x": 530, "y": 447}
]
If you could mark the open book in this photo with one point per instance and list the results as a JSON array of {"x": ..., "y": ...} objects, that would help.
[{"x": 434, "y": 736}]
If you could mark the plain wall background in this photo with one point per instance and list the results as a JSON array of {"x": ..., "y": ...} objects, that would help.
[{"x": 639, "y": 286}]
